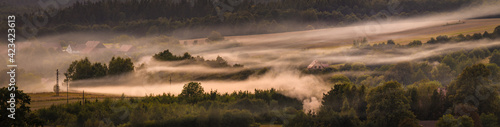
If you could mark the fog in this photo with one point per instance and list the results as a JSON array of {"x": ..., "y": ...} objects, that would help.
[
  {"x": 283, "y": 52},
  {"x": 283, "y": 76}
]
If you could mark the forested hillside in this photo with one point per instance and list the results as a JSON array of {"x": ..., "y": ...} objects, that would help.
[{"x": 149, "y": 17}]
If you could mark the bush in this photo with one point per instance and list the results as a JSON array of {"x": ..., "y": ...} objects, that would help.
[
  {"x": 415, "y": 43},
  {"x": 339, "y": 79},
  {"x": 166, "y": 55},
  {"x": 495, "y": 58},
  {"x": 496, "y": 33},
  {"x": 450, "y": 121},
  {"x": 489, "y": 120},
  {"x": 237, "y": 118},
  {"x": 215, "y": 36}
]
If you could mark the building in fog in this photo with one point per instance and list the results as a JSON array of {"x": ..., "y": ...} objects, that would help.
[
  {"x": 315, "y": 65},
  {"x": 89, "y": 47},
  {"x": 70, "y": 50},
  {"x": 126, "y": 48}
]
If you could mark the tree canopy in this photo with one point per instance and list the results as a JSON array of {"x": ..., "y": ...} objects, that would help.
[
  {"x": 192, "y": 92},
  {"x": 388, "y": 106},
  {"x": 120, "y": 65},
  {"x": 23, "y": 115},
  {"x": 166, "y": 55},
  {"x": 83, "y": 69}
]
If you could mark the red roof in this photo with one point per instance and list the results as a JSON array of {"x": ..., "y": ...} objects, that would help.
[
  {"x": 317, "y": 65},
  {"x": 90, "y": 46},
  {"x": 125, "y": 48}
]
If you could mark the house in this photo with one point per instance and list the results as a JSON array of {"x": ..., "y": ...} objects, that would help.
[
  {"x": 89, "y": 47},
  {"x": 317, "y": 65},
  {"x": 126, "y": 48},
  {"x": 92, "y": 46},
  {"x": 70, "y": 50}
]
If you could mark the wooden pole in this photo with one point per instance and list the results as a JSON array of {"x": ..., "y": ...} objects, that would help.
[
  {"x": 67, "y": 90},
  {"x": 83, "y": 99},
  {"x": 57, "y": 82}
]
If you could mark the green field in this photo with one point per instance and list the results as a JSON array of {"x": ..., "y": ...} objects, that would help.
[{"x": 46, "y": 99}]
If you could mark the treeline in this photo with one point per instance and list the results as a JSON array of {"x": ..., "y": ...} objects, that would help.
[
  {"x": 192, "y": 107},
  {"x": 441, "y": 68},
  {"x": 84, "y": 69},
  {"x": 461, "y": 90},
  {"x": 441, "y": 39},
  {"x": 219, "y": 62},
  {"x": 391, "y": 104},
  {"x": 141, "y": 17}
]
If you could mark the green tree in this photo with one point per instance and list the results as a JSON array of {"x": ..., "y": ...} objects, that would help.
[
  {"x": 466, "y": 83},
  {"x": 442, "y": 73},
  {"x": 489, "y": 120},
  {"x": 339, "y": 79},
  {"x": 84, "y": 69},
  {"x": 420, "y": 75},
  {"x": 448, "y": 60},
  {"x": 495, "y": 72},
  {"x": 192, "y": 92},
  {"x": 495, "y": 58},
  {"x": 333, "y": 99},
  {"x": 473, "y": 87},
  {"x": 219, "y": 62},
  {"x": 240, "y": 118},
  {"x": 486, "y": 34},
  {"x": 99, "y": 69},
  {"x": 215, "y": 36},
  {"x": 388, "y": 106},
  {"x": 437, "y": 105},
  {"x": 496, "y": 32},
  {"x": 450, "y": 121},
  {"x": 153, "y": 30},
  {"x": 479, "y": 53},
  {"x": 23, "y": 115},
  {"x": 401, "y": 73},
  {"x": 447, "y": 121},
  {"x": 391, "y": 42},
  {"x": 166, "y": 55},
  {"x": 431, "y": 41},
  {"x": 428, "y": 100},
  {"x": 415, "y": 43},
  {"x": 120, "y": 65},
  {"x": 413, "y": 97}
]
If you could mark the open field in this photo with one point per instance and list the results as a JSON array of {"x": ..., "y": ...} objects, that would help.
[
  {"x": 46, "y": 99},
  {"x": 402, "y": 32}
]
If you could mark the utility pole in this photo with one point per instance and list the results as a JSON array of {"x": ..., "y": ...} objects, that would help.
[
  {"x": 67, "y": 88},
  {"x": 56, "y": 87},
  {"x": 83, "y": 99}
]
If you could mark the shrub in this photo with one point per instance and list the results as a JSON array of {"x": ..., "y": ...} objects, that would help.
[
  {"x": 215, "y": 36},
  {"x": 166, "y": 55}
]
